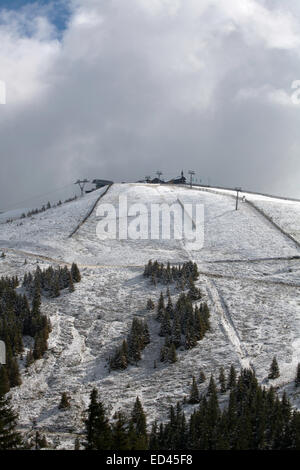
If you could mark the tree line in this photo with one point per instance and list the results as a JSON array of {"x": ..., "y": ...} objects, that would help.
[
  {"x": 51, "y": 281},
  {"x": 17, "y": 319},
  {"x": 182, "y": 324},
  {"x": 254, "y": 418},
  {"x": 181, "y": 274},
  {"x": 21, "y": 315},
  {"x": 130, "y": 350},
  {"x": 44, "y": 208}
]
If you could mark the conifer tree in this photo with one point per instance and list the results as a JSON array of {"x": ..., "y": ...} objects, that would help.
[
  {"x": 285, "y": 408},
  {"x": 164, "y": 352},
  {"x": 135, "y": 341},
  {"x": 77, "y": 444},
  {"x": 232, "y": 378},
  {"x": 160, "y": 308},
  {"x": 223, "y": 437},
  {"x": 29, "y": 358},
  {"x": 40, "y": 344},
  {"x": 55, "y": 288},
  {"x": 194, "y": 393},
  {"x": 145, "y": 334},
  {"x": 274, "y": 369},
  {"x": 297, "y": 378},
  {"x": 13, "y": 372},
  {"x": 169, "y": 307},
  {"x": 150, "y": 305},
  {"x": 190, "y": 336},
  {"x": 138, "y": 420},
  {"x": 194, "y": 293},
  {"x": 212, "y": 389},
  {"x": 202, "y": 377},
  {"x": 10, "y": 439},
  {"x": 36, "y": 303},
  {"x": 222, "y": 380},
  {"x": 4, "y": 380},
  {"x": 165, "y": 329},
  {"x": 205, "y": 315},
  {"x": 120, "y": 360},
  {"x": 97, "y": 426},
  {"x": 153, "y": 438},
  {"x": 148, "y": 269},
  {"x": 176, "y": 332},
  {"x": 71, "y": 284},
  {"x": 40, "y": 442},
  {"x": 135, "y": 441},
  {"x": 153, "y": 279},
  {"x": 200, "y": 324},
  {"x": 120, "y": 439},
  {"x": 76, "y": 276},
  {"x": 64, "y": 402},
  {"x": 243, "y": 434},
  {"x": 172, "y": 355}
]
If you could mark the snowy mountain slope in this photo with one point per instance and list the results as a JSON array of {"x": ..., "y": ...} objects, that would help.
[
  {"x": 284, "y": 212},
  {"x": 12, "y": 214},
  {"x": 228, "y": 234},
  {"x": 250, "y": 278},
  {"x": 46, "y": 232}
]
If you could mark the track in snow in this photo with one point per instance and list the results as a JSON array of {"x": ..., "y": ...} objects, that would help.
[
  {"x": 125, "y": 266},
  {"x": 254, "y": 260},
  {"x": 227, "y": 324},
  {"x": 90, "y": 212},
  {"x": 256, "y": 209},
  {"x": 222, "y": 310}
]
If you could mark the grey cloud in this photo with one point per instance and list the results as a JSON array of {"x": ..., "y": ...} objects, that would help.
[{"x": 128, "y": 91}]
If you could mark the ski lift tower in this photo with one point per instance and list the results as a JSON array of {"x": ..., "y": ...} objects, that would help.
[
  {"x": 191, "y": 173},
  {"x": 81, "y": 184},
  {"x": 237, "y": 198},
  {"x": 159, "y": 173}
]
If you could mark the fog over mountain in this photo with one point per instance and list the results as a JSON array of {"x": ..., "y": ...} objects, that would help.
[{"x": 118, "y": 90}]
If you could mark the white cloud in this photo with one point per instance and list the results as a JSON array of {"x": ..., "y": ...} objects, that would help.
[
  {"x": 267, "y": 94},
  {"x": 275, "y": 28},
  {"x": 25, "y": 60},
  {"x": 84, "y": 18},
  {"x": 158, "y": 7},
  {"x": 136, "y": 84}
]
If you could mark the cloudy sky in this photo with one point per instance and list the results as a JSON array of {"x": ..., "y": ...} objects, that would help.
[{"x": 120, "y": 89}]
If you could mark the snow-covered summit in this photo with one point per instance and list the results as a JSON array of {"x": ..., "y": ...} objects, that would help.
[{"x": 249, "y": 275}]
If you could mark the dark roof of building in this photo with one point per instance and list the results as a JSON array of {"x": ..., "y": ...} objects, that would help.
[
  {"x": 98, "y": 182},
  {"x": 157, "y": 181},
  {"x": 178, "y": 180}
]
